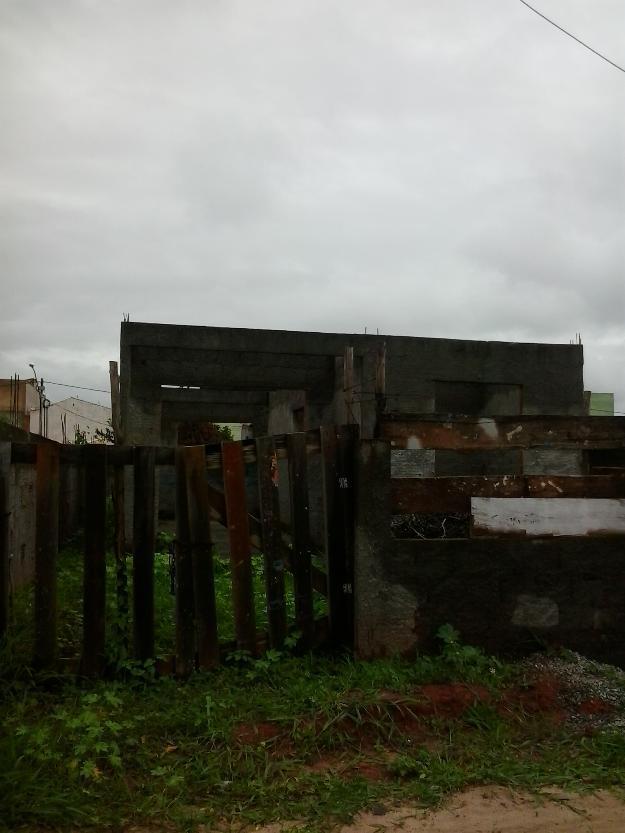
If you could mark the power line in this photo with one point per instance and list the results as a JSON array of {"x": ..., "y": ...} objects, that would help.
[
  {"x": 60, "y": 385},
  {"x": 581, "y": 42},
  {"x": 76, "y": 387}
]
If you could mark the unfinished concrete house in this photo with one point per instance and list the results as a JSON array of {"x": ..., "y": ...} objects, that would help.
[
  {"x": 392, "y": 485},
  {"x": 282, "y": 381}
]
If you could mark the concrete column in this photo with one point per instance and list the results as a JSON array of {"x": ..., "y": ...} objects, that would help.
[
  {"x": 373, "y": 529},
  {"x": 384, "y": 609},
  {"x": 142, "y": 426}
]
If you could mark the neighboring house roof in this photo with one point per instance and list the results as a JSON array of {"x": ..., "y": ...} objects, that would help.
[{"x": 67, "y": 415}]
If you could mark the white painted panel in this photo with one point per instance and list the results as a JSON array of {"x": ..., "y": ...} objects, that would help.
[{"x": 547, "y": 516}]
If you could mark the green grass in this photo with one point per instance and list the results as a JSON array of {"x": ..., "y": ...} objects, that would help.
[
  {"x": 151, "y": 750},
  {"x": 108, "y": 754},
  {"x": 18, "y": 651}
]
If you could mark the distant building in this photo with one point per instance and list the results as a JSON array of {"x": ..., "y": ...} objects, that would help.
[
  {"x": 239, "y": 431},
  {"x": 72, "y": 415},
  {"x": 18, "y": 399},
  {"x": 599, "y": 404}
]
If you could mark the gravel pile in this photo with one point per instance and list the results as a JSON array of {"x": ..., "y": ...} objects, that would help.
[{"x": 592, "y": 693}]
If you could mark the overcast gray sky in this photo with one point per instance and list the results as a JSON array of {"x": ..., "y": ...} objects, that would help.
[{"x": 437, "y": 168}]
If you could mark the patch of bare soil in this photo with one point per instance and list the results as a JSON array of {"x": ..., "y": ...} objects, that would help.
[{"x": 498, "y": 810}]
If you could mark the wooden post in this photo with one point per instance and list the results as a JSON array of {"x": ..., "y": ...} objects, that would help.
[
  {"x": 94, "y": 596},
  {"x": 185, "y": 626},
  {"x": 202, "y": 557},
  {"x": 5, "y": 510},
  {"x": 240, "y": 555},
  {"x": 119, "y": 512},
  {"x": 116, "y": 420},
  {"x": 143, "y": 537},
  {"x": 46, "y": 555},
  {"x": 337, "y": 454},
  {"x": 380, "y": 387},
  {"x": 271, "y": 538},
  {"x": 300, "y": 522},
  {"x": 348, "y": 384}
]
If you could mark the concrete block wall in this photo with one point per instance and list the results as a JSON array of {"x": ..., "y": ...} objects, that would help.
[
  {"x": 21, "y": 500},
  {"x": 22, "y": 497},
  {"x": 508, "y": 597}
]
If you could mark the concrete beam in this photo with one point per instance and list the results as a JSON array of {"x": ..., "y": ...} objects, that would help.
[
  {"x": 219, "y": 370},
  {"x": 244, "y": 340},
  {"x": 155, "y": 392},
  {"x": 212, "y": 412}
]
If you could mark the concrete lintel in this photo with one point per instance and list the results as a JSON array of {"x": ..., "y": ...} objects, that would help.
[
  {"x": 241, "y": 339},
  {"x": 217, "y": 396},
  {"x": 212, "y": 412}
]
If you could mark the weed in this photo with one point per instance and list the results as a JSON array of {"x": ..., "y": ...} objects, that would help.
[
  {"x": 280, "y": 737},
  {"x": 434, "y": 774},
  {"x": 466, "y": 661}
]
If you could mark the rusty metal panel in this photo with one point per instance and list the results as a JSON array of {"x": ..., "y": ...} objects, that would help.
[
  {"x": 422, "y": 495},
  {"x": 439, "y": 432}
]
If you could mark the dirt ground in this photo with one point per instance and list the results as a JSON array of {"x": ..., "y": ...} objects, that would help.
[{"x": 498, "y": 810}]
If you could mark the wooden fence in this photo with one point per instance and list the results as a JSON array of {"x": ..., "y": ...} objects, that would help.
[
  {"x": 283, "y": 546},
  {"x": 581, "y": 445}
]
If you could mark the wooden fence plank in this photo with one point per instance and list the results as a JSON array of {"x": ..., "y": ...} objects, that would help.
[
  {"x": 185, "y": 608},
  {"x": 121, "y": 572},
  {"x": 46, "y": 555},
  {"x": 165, "y": 456},
  {"x": 94, "y": 595},
  {"x": 302, "y": 578},
  {"x": 543, "y": 517},
  {"x": 271, "y": 539},
  {"x": 337, "y": 452},
  {"x": 143, "y": 538},
  {"x": 440, "y": 432},
  {"x": 119, "y": 513},
  {"x": 453, "y": 494},
  {"x": 218, "y": 513},
  {"x": 240, "y": 554},
  {"x": 348, "y": 384},
  {"x": 5, "y": 508},
  {"x": 202, "y": 557},
  {"x": 380, "y": 386}
]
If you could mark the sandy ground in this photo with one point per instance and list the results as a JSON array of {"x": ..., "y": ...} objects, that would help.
[{"x": 496, "y": 810}]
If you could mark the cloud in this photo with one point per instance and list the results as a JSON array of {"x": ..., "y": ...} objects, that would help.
[{"x": 438, "y": 169}]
